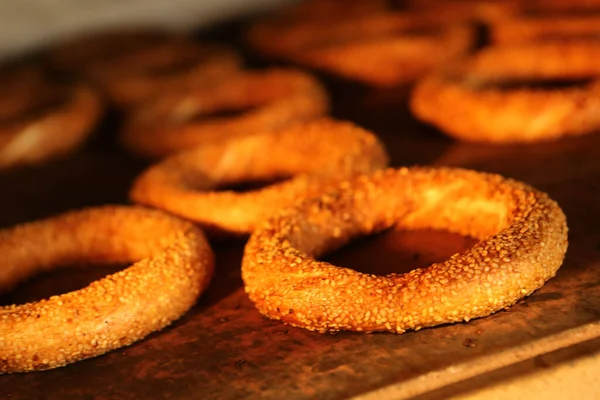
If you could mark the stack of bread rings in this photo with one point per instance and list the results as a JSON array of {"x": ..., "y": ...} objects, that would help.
[{"x": 313, "y": 183}]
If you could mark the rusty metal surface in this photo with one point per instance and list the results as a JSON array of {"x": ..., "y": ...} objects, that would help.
[{"x": 223, "y": 349}]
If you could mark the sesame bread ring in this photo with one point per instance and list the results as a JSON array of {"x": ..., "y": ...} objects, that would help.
[
  {"x": 519, "y": 93},
  {"x": 246, "y": 103},
  {"x": 172, "y": 265},
  {"x": 546, "y": 28},
  {"x": 41, "y": 119},
  {"x": 148, "y": 73},
  {"x": 385, "y": 49},
  {"x": 308, "y": 157},
  {"x": 522, "y": 233}
]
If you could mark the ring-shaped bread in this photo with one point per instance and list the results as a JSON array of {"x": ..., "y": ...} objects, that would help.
[
  {"x": 493, "y": 96},
  {"x": 142, "y": 76},
  {"x": 381, "y": 49},
  {"x": 172, "y": 265},
  {"x": 42, "y": 119},
  {"x": 522, "y": 233},
  {"x": 309, "y": 157},
  {"x": 246, "y": 103}
]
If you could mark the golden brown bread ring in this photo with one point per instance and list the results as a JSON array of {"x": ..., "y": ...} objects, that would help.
[
  {"x": 383, "y": 49},
  {"x": 467, "y": 101},
  {"x": 42, "y": 120},
  {"x": 266, "y": 100},
  {"x": 173, "y": 264},
  {"x": 522, "y": 233},
  {"x": 311, "y": 155},
  {"x": 141, "y": 76},
  {"x": 546, "y": 28}
]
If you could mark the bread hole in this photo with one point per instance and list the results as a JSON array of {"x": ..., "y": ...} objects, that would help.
[
  {"x": 398, "y": 250},
  {"x": 59, "y": 280}
]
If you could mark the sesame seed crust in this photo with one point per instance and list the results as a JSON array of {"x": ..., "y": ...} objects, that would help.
[
  {"x": 172, "y": 265},
  {"x": 267, "y": 100},
  {"x": 313, "y": 155},
  {"x": 465, "y": 102},
  {"x": 522, "y": 233}
]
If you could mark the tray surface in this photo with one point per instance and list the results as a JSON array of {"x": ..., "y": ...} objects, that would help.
[{"x": 224, "y": 349}]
